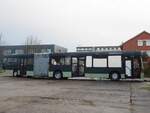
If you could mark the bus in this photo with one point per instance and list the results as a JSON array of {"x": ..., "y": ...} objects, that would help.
[{"x": 113, "y": 65}]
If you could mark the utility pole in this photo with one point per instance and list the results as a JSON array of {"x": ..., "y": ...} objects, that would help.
[
  {"x": 0, "y": 39},
  {"x": 0, "y": 50},
  {"x": 131, "y": 93}
]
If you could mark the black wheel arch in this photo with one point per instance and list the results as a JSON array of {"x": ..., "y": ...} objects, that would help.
[{"x": 56, "y": 71}]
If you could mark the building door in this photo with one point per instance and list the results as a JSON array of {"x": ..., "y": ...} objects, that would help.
[{"x": 78, "y": 66}]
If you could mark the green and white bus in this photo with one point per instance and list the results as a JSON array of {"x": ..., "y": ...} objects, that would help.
[{"x": 114, "y": 65}]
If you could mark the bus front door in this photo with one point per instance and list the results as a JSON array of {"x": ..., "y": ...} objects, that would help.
[
  {"x": 78, "y": 66},
  {"x": 133, "y": 68},
  {"x": 128, "y": 68}
]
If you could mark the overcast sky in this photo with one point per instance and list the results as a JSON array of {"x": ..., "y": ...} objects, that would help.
[{"x": 72, "y": 23}]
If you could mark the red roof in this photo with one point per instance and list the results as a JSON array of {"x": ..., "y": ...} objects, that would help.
[{"x": 144, "y": 32}]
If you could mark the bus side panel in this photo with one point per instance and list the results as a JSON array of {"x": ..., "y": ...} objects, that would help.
[
  {"x": 29, "y": 67},
  {"x": 104, "y": 70},
  {"x": 41, "y": 64}
]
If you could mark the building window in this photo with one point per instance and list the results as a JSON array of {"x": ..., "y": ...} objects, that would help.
[
  {"x": 7, "y": 52},
  {"x": 147, "y": 42},
  {"x": 79, "y": 49},
  {"x": 97, "y": 49},
  {"x": 119, "y": 48},
  {"x": 144, "y": 43},
  {"x": 46, "y": 51},
  {"x": 19, "y": 51},
  {"x": 140, "y": 43},
  {"x": 148, "y": 53},
  {"x": 88, "y": 48},
  {"x": 49, "y": 51}
]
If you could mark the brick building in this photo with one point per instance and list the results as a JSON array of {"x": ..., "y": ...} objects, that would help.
[{"x": 140, "y": 42}]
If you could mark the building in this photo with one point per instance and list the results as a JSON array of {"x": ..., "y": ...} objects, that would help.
[
  {"x": 30, "y": 49},
  {"x": 98, "y": 48},
  {"x": 140, "y": 42}
]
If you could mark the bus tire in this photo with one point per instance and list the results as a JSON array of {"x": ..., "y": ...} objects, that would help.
[
  {"x": 57, "y": 75},
  {"x": 114, "y": 76}
]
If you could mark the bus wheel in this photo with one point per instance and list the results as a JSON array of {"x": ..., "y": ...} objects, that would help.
[
  {"x": 115, "y": 76},
  {"x": 57, "y": 75}
]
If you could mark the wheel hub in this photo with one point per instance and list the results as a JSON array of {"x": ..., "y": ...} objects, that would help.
[{"x": 115, "y": 76}]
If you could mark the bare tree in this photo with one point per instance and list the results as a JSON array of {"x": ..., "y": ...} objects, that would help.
[
  {"x": 2, "y": 42},
  {"x": 31, "y": 44},
  {"x": 1, "y": 50},
  {"x": 31, "y": 40}
]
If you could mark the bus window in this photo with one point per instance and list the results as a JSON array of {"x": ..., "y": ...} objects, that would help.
[
  {"x": 74, "y": 60},
  {"x": 88, "y": 61},
  {"x": 53, "y": 62},
  {"x": 58, "y": 61},
  {"x": 99, "y": 62},
  {"x": 12, "y": 61},
  {"x": 67, "y": 60},
  {"x": 114, "y": 61}
]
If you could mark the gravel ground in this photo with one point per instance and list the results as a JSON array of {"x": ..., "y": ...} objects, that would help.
[{"x": 25, "y": 95}]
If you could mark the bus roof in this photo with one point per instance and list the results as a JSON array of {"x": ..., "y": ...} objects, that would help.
[
  {"x": 103, "y": 53},
  {"x": 100, "y": 53}
]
